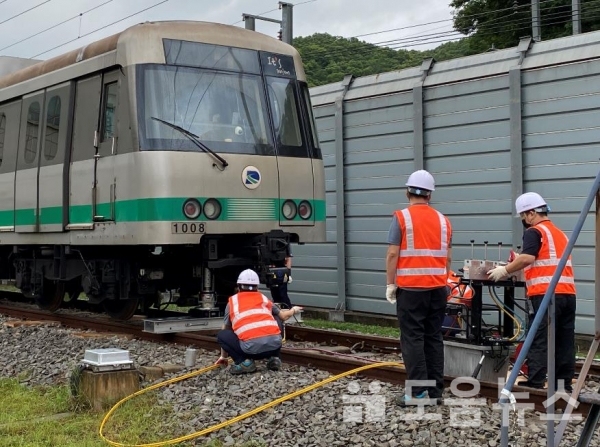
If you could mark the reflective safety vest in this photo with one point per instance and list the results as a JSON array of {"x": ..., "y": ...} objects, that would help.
[
  {"x": 539, "y": 274},
  {"x": 459, "y": 293},
  {"x": 251, "y": 316},
  {"x": 423, "y": 249}
]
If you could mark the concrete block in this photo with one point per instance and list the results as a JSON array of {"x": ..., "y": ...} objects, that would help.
[
  {"x": 104, "y": 389},
  {"x": 170, "y": 368}
]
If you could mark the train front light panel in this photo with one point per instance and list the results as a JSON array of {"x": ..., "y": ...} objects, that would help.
[
  {"x": 289, "y": 209},
  {"x": 212, "y": 209},
  {"x": 192, "y": 208},
  {"x": 305, "y": 210}
]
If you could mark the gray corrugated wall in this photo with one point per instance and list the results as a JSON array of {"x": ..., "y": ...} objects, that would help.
[{"x": 467, "y": 146}]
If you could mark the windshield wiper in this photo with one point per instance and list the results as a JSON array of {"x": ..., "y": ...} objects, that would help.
[{"x": 194, "y": 139}]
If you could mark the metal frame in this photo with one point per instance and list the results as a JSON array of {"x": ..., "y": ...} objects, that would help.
[{"x": 339, "y": 194}]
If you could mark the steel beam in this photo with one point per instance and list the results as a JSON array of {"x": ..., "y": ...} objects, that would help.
[
  {"x": 340, "y": 217},
  {"x": 418, "y": 116}
]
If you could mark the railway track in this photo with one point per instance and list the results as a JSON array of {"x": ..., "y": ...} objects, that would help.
[{"x": 326, "y": 356}]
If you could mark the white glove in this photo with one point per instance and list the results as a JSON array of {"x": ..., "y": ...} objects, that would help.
[
  {"x": 390, "y": 293},
  {"x": 497, "y": 273},
  {"x": 289, "y": 279},
  {"x": 297, "y": 309}
]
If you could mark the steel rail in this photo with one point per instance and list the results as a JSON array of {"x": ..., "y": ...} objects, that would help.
[{"x": 297, "y": 356}]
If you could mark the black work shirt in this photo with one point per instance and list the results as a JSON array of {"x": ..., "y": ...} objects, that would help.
[{"x": 532, "y": 242}]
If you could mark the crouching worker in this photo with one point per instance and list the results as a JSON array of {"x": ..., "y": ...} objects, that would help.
[{"x": 251, "y": 327}]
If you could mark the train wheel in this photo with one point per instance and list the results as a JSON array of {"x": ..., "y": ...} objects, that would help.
[
  {"x": 121, "y": 309},
  {"x": 52, "y": 296}
]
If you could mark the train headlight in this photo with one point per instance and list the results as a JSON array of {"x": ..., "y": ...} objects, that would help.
[
  {"x": 212, "y": 209},
  {"x": 305, "y": 210},
  {"x": 192, "y": 208},
  {"x": 289, "y": 209}
]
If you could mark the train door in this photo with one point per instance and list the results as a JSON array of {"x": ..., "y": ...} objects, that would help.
[
  {"x": 92, "y": 179},
  {"x": 86, "y": 118},
  {"x": 53, "y": 202},
  {"x": 105, "y": 181},
  {"x": 10, "y": 115},
  {"x": 26, "y": 178}
]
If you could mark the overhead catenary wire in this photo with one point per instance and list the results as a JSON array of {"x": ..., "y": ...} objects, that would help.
[
  {"x": 101, "y": 28},
  {"x": 275, "y": 9},
  {"x": 55, "y": 26},
  {"x": 394, "y": 44},
  {"x": 449, "y": 36},
  {"x": 25, "y": 12}
]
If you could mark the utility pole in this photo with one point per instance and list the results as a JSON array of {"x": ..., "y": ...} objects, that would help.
[
  {"x": 249, "y": 22},
  {"x": 286, "y": 32},
  {"x": 576, "y": 16},
  {"x": 536, "y": 20},
  {"x": 287, "y": 21}
]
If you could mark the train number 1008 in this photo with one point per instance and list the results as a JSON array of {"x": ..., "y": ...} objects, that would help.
[{"x": 188, "y": 227}]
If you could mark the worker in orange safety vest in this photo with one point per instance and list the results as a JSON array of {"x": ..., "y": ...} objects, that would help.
[
  {"x": 251, "y": 330},
  {"x": 543, "y": 246},
  {"x": 458, "y": 294},
  {"x": 417, "y": 265}
]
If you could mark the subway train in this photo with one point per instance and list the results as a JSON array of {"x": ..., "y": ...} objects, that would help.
[{"x": 169, "y": 156}]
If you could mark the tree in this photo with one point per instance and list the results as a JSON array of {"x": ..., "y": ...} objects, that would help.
[
  {"x": 501, "y": 23},
  {"x": 328, "y": 58}
]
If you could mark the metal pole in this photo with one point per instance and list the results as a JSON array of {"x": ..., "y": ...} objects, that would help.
[
  {"x": 593, "y": 349},
  {"x": 576, "y": 16},
  {"x": 516, "y": 146},
  {"x": 287, "y": 33},
  {"x": 249, "y": 22},
  {"x": 536, "y": 20},
  {"x": 541, "y": 313},
  {"x": 340, "y": 194},
  {"x": 551, "y": 337}
]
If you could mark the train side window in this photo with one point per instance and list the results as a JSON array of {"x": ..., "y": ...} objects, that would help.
[
  {"x": 2, "y": 134},
  {"x": 109, "y": 111},
  {"x": 31, "y": 136},
  {"x": 284, "y": 111},
  {"x": 52, "y": 127}
]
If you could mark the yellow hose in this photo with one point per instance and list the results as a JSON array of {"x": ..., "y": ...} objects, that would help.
[
  {"x": 502, "y": 308},
  {"x": 235, "y": 419}
]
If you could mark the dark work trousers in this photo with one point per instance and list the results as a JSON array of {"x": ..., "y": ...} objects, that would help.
[
  {"x": 230, "y": 343},
  {"x": 280, "y": 295},
  {"x": 420, "y": 316},
  {"x": 564, "y": 351}
]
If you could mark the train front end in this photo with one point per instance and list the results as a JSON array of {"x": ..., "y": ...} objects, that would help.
[{"x": 228, "y": 146}]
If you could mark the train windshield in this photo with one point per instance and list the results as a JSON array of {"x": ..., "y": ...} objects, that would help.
[
  {"x": 227, "y": 111},
  {"x": 234, "y": 100}
]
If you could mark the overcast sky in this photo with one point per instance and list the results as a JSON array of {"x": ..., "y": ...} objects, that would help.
[{"x": 346, "y": 18}]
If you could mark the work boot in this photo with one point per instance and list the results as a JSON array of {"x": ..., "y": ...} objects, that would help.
[
  {"x": 274, "y": 364},
  {"x": 528, "y": 384},
  {"x": 247, "y": 366},
  {"x": 420, "y": 399}
]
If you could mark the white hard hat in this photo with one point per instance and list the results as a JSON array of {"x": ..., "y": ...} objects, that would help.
[
  {"x": 421, "y": 183},
  {"x": 248, "y": 277},
  {"x": 531, "y": 201}
]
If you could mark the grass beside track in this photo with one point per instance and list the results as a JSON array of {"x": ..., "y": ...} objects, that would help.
[
  {"x": 383, "y": 331},
  {"x": 50, "y": 416}
]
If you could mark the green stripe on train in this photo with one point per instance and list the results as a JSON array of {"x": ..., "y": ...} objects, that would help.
[{"x": 160, "y": 209}]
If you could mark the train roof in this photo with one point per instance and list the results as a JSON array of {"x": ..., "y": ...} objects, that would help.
[{"x": 132, "y": 43}]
